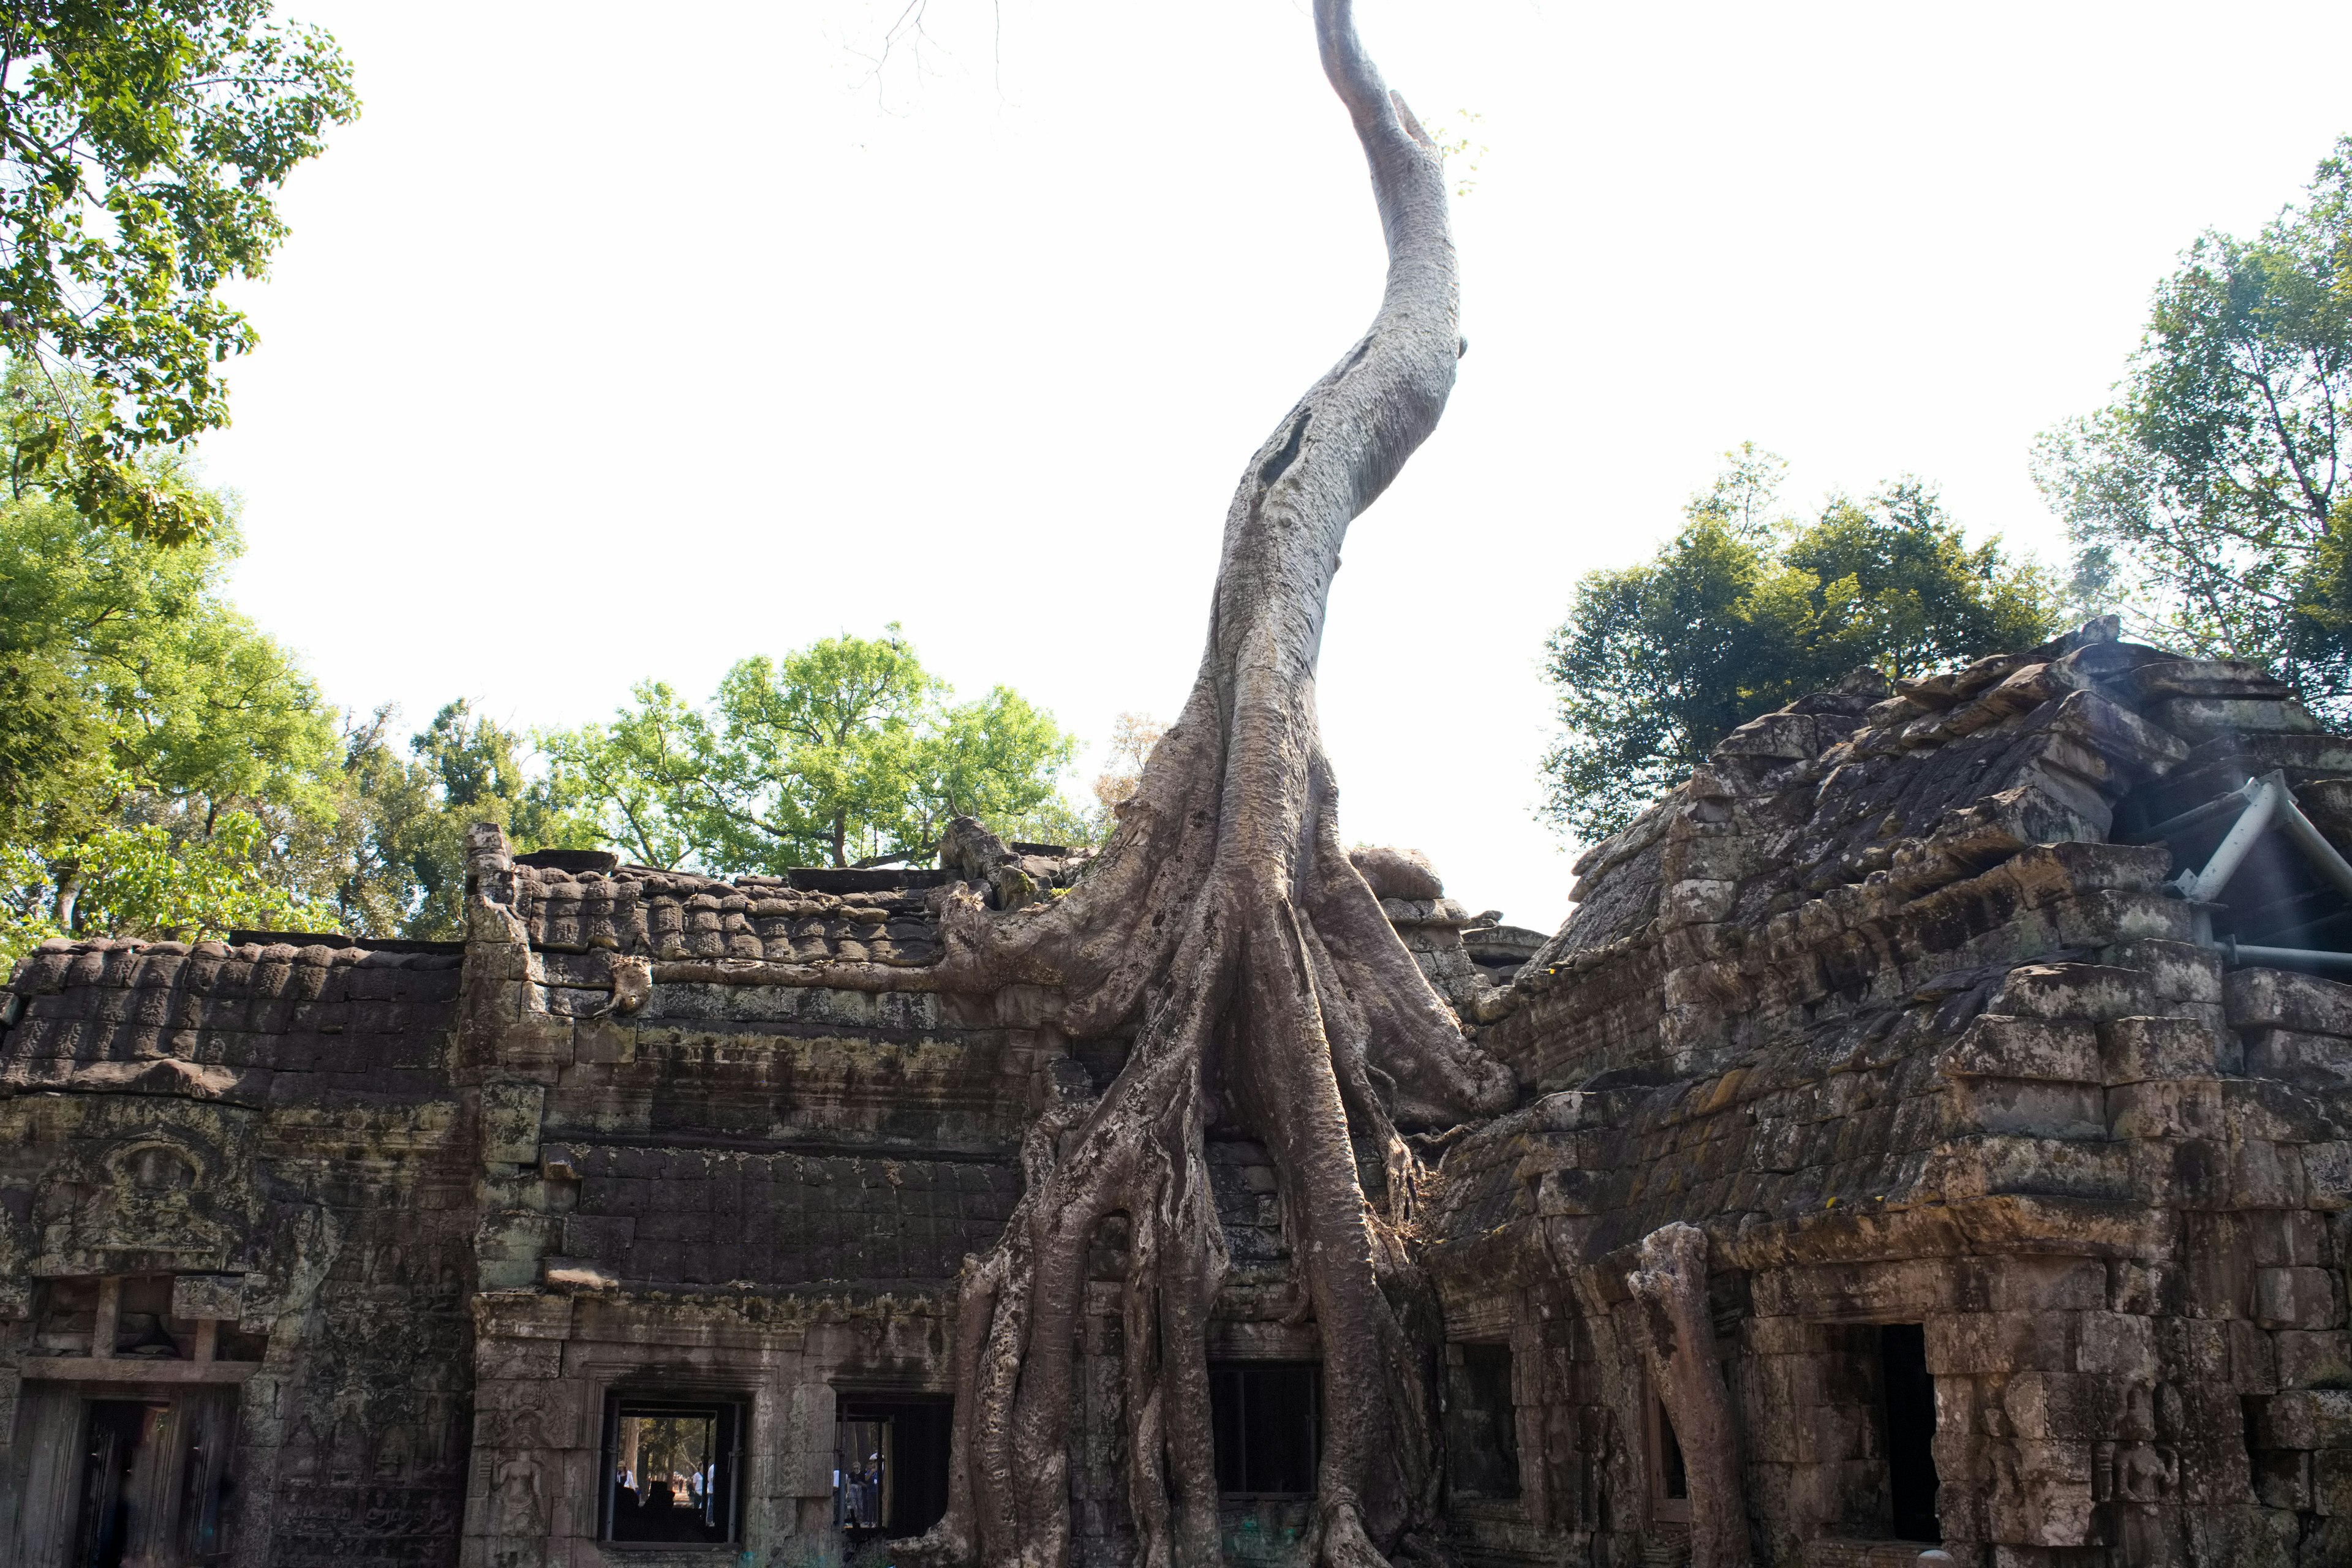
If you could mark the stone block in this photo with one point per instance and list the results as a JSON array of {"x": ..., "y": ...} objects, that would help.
[
  {"x": 2026, "y": 1284},
  {"x": 2331, "y": 1482},
  {"x": 2200, "y": 719},
  {"x": 208, "y": 1296},
  {"x": 2327, "y": 1176},
  {"x": 2187, "y": 1108},
  {"x": 2116, "y": 1344},
  {"x": 2007, "y": 1046},
  {"x": 2204, "y": 678},
  {"x": 2110, "y": 915},
  {"x": 1697, "y": 902},
  {"x": 2263, "y": 1175},
  {"x": 2049, "y": 872},
  {"x": 2276, "y": 999},
  {"x": 2283, "y": 1478},
  {"x": 1993, "y": 1163},
  {"x": 1963, "y": 1344},
  {"x": 2285, "y": 1238},
  {"x": 2251, "y": 1358},
  {"x": 2178, "y": 971},
  {"x": 2317, "y": 1062},
  {"x": 2082, "y": 992},
  {"x": 2294, "y": 1299},
  {"x": 2136, "y": 1048},
  {"x": 2067, "y": 1407},
  {"x": 2314, "y": 1358},
  {"x": 510, "y": 1360},
  {"x": 2304, "y": 1418},
  {"x": 510, "y": 1119},
  {"x": 2042, "y": 1494},
  {"x": 2066, "y": 1110}
]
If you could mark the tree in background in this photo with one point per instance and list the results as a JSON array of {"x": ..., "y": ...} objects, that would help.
[
  {"x": 1132, "y": 736},
  {"x": 142, "y": 146},
  {"x": 1748, "y": 609},
  {"x": 168, "y": 770},
  {"x": 846, "y": 751},
  {"x": 2209, "y": 495},
  {"x": 397, "y": 862},
  {"x": 163, "y": 757}
]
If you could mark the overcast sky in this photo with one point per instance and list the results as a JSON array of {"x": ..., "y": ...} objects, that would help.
[{"x": 619, "y": 342}]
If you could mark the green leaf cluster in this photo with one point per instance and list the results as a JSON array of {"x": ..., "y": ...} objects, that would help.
[
  {"x": 846, "y": 750},
  {"x": 2208, "y": 496},
  {"x": 1746, "y": 610},
  {"x": 142, "y": 143},
  {"x": 163, "y": 755},
  {"x": 167, "y": 769}
]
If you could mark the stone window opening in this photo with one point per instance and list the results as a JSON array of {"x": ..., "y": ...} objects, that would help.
[
  {"x": 1910, "y": 1413},
  {"x": 672, "y": 1470},
  {"x": 1267, "y": 1422},
  {"x": 889, "y": 1463},
  {"x": 1669, "y": 1480},
  {"x": 1481, "y": 1439}
]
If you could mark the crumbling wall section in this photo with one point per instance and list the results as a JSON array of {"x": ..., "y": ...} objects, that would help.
[
  {"x": 1871, "y": 1000},
  {"x": 246, "y": 1157}
]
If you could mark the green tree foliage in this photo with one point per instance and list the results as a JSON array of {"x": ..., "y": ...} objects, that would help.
[
  {"x": 167, "y": 769},
  {"x": 1748, "y": 609},
  {"x": 848, "y": 749},
  {"x": 163, "y": 757},
  {"x": 142, "y": 143},
  {"x": 396, "y": 857},
  {"x": 2209, "y": 495}
]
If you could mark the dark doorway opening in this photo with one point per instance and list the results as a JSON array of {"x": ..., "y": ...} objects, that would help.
[
  {"x": 1268, "y": 1418},
  {"x": 670, "y": 1469},
  {"x": 890, "y": 1465},
  {"x": 1910, "y": 1431},
  {"x": 154, "y": 1482},
  {"x": 123, "y": 1432},
  {"x": 1673, "y": 1479},
  {"x": 1481, "y": 1429}
]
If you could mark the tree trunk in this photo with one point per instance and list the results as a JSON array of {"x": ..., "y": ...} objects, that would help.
[
  {"x": 1271, "y": 992},
  {"x": 1671, "y": 1286}
]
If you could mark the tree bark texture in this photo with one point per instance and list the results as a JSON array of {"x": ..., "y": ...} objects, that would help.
[
  {"x": 1225, "y": 922},
  {"x": 1671, "y": 1286}
]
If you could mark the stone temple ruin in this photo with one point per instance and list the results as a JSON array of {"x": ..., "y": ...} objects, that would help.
[{"x": 1932, "y": 1129}]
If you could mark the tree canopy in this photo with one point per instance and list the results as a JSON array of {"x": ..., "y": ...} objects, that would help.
[
  {"x": 1747, "y": 609},
  {"x": 2209, "y": 495},
  {"x": 167, "y": 769},
  {"x": 163, "y": 757},
  {"x": 846, "y": 750},
  {"x": 142, "y": 143}
]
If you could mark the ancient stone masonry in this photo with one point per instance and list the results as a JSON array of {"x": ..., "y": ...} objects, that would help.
[
  {"x": 2022, "y": 1188},
  {"x": 1932, "y": 1129}
]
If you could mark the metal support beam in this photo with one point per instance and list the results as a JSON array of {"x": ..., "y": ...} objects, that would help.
[
  {"x": 2262, "y": 798},
  {"x": 2247, "y": 953}
]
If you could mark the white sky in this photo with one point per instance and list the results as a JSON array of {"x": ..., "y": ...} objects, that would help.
[{"x": 619, "y": 342}]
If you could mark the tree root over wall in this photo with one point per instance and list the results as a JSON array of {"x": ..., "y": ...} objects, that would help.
[
  {"x": 1671, "y": 1286},
  {"x": 1271, "y": 992}
]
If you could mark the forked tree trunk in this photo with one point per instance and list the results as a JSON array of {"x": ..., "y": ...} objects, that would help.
[
  {"x": 1271, "y": 992},
  {"x": 1671, "y": 1286}
]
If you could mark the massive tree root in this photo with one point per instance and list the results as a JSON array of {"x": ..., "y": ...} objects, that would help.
[
  {"x": 1271, "y": 992},
  {"x": 1671, "y": 1286}
]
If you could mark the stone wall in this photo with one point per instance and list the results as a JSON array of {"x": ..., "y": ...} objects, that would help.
[
  {"x": 1894, "y": 1000},
  {"x": 1871, "y": 1001}
]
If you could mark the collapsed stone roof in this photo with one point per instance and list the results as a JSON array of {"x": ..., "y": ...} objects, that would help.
[
  {"x": 218, "y": 1021},
  {"x": 1875, "y": 792}
]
